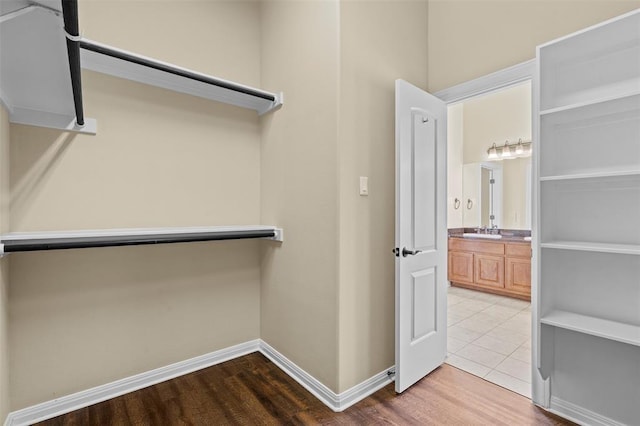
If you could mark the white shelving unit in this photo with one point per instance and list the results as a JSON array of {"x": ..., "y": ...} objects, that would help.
[{"x": 588, "y": 250}]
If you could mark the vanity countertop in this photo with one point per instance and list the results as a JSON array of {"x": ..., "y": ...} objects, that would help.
[{"x": 508, "y": 235}]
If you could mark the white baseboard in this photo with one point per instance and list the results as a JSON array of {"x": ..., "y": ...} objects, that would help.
[
  {"x": 337, "y": 402},
  {"x": 364, "y": 389},
  {"x": 66, "y": 404},
  {"x": 310, "y": 383},
  {"x": 578, "y": 414}
]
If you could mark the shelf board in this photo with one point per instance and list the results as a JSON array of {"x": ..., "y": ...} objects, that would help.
[
  {"x": 588, "y": 103},
  {"x": 59, "y": 240},
  {"x": 612, "y": 330},
  {"x": 591, "y": 175},
  {"x": 120, "y": 63},
  {"x": 633, "y": 249}
]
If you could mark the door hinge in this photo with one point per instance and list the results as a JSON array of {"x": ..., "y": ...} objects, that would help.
[{"x": 492, "y": 181}]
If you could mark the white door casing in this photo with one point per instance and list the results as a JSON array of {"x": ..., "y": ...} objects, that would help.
[{"x": 421, "y": 234}]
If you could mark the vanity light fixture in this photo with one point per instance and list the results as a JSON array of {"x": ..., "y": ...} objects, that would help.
[{"x": 520, "y": 149}]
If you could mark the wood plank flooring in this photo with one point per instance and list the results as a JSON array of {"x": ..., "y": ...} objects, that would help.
[{"x": 251, "y": 390}]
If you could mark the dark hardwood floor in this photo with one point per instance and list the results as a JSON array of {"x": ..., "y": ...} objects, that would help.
[{"x": 252, "y": 391}]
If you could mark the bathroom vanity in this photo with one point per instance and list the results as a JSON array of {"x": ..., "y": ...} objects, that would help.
[{"x": 500, "y": 266}]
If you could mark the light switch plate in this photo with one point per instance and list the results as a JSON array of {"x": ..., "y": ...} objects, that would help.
[{"x": 364, "y": 185}]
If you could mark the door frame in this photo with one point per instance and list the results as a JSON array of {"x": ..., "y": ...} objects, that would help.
[{"x": 507, "y": 77}]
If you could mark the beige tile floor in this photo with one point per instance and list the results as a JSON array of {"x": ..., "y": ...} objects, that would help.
[{"x": 490, "y": 337}]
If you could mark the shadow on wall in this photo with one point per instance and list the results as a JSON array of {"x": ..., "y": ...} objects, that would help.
[{"x": 38, "y": 159}]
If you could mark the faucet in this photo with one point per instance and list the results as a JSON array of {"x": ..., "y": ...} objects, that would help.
[{"x": 481, "y": 229}]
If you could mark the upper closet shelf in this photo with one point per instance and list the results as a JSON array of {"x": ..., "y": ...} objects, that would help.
[
  {"x": 38, "y": 88},
  {"x": 629, "y": 96},
  {"x": 120, "y": 63},
  {"x": 62, "y": 240}
]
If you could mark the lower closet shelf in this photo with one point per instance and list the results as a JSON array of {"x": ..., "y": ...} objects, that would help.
[
  {"x": 61, "y": 240},
  {"x": 612, "y": 330}
]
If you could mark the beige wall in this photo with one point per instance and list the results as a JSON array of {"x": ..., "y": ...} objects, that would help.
[
  {"x": 4, "y": 264},
  {"x": 471, "y": 38},
  {"x": 379, "y": 42},
  {"x": 299, "y": 297},
  {"x": 86, "y": 317},
  {"x": 496, "y": 118}
]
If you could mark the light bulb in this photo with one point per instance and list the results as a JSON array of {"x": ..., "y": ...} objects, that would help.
[
  {"x": 493, "y": 152},
  {"x": 506, "y": 150},
  {"x": 519, "y": 148}
]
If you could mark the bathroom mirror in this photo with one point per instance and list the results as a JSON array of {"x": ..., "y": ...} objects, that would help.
[{"x": 497, "y": 194}]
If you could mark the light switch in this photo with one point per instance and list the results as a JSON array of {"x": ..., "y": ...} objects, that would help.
[{"x": 364, "y": 185}]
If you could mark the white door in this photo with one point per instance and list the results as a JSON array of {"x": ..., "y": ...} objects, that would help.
[{"x": 421, "y": 234}]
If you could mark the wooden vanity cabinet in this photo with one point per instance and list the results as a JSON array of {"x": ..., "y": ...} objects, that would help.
[{"x": 497, "y": 267}]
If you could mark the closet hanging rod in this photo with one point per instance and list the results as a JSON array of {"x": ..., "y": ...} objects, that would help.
[
  {"x": 63, "y": 241},
  {"x": 171, "y": 69},
  {"x": 70, "y": 17}
]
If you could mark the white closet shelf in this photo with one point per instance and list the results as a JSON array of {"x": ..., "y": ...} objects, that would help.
[
  {"x": 38, "y": 88},
  {"x": 588, "y": 103},
  {"x": 612, "y": 330},
  {"x": 120, "y": 63},
  {"x": 633, "y": 249},
  {"x": 60, "y": 240},
  {"x": 596, "y": 175}
]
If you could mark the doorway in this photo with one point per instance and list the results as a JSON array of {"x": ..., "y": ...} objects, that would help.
[{"x": 489, "y": 214}]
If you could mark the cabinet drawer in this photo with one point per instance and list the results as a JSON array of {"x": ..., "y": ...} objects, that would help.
[
  {"x": 457, "y": 244},
  {"x": 518, "y": 250}
]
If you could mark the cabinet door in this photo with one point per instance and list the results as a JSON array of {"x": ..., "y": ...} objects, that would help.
[
  {"x": 461, "y": 267},
  {"x": 518, "y": 277},
  {"x": 489, "y": 270}
]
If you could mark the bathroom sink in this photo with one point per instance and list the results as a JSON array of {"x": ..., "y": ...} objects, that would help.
[{"x": 486, "y": 236}]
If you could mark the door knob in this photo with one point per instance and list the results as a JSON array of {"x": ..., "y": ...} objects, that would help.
[{"x": 406, "y": 252}]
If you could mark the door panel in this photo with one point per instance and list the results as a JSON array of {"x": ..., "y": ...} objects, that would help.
[
  {"x": 424, "y": 294},
  {"x": 461, "y": 267},
  {"x": 424, "y": 198},
  {"x": 489, "y": 270},
  {"x": 518, "y": 275},
  {"x": 421, "y": 232}
]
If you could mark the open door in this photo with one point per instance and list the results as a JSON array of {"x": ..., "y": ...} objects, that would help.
[{"x": 421, "y": 234}]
